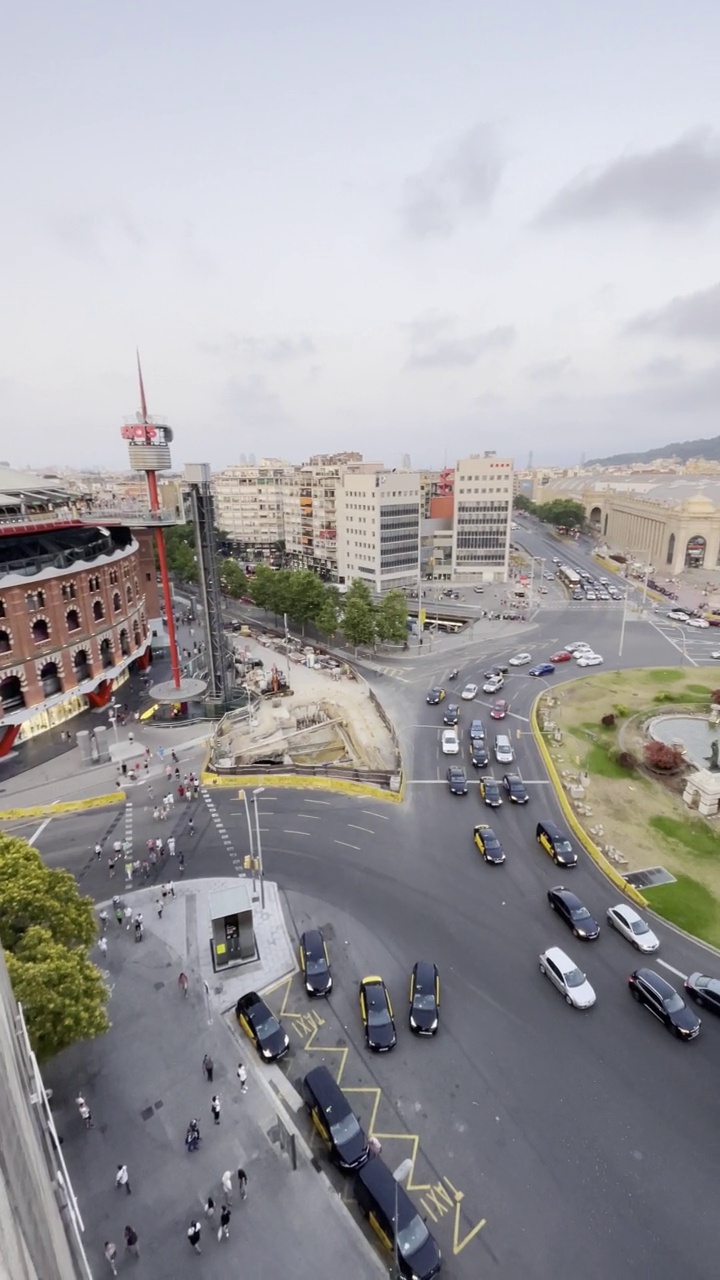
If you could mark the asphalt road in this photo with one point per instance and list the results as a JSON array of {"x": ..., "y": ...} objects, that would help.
[{"x": 584, "y": 1141}]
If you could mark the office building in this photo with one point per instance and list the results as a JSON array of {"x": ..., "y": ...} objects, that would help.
[
  {"x": 378, "y": 528},
  {"x": 482, "y": 511}
]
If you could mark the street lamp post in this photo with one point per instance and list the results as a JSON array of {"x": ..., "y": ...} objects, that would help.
[
  {"x": 256, "y": 792},
  {"x": 242, "y": 795}
]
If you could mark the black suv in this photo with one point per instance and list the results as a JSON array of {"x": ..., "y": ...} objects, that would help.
[
  {"x": 335, "y": 1120},
  {"x": 660, "y": 998}
]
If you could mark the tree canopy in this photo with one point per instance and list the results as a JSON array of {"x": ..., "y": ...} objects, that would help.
[
  {"x": 564, "y": 512},
  {"x": 47, "y": 928}
]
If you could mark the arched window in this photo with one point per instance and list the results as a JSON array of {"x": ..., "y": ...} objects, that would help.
[
  {"x": 129, "y": 593},
  {"x": 116, "y": 601},
  {"x": 11, "y": 694},
  {"x": 106, "y": 653},
  {"x": 124, "y": 642},
  {"x": 671, "y": 549},
  {"x": 72, "y": 617},
  {"x": 50, "y": 679},
  {"x": 98, "y": 610},
  {"x": 5, "y": 642},
  {"x": 2, "y": 609},
  {"x": 83, "y": 669},
  {"x": 695, "y": 552},
  {"x": 40, "y": 630},
  {"x": 136, "y": 632},
  {"x": 35, "y": 600}
]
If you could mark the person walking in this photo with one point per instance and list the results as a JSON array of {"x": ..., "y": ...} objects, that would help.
[
  {"x": 215, "y": 1108},
  {"x": 193, "y": 1235},
  {"x": 98, "y": 850},
  {"x": 191, "y": 827},
  {"x": 111, "y": 1255},
  {"x": 208, "y": 1066},
  {"x": 242, "y": 1077},
  {"x": 171, "y": 846},
  {"x": 171, "y": 888},
  {"x": 224, "y": 1228},
  {"x": 104, "y": 920},
  {"x": 86, "y": 1114},
  {"x": 183, "y": 984},
  {"x": 128, "y": 917},
  {"x": 173, "y": 756},
  {"x": 209, "y": 1208},
  {"x": 122, "y": 1178},
  {"x": 131, "y": 1241},
  {"x": 159, "y": 904},
  {"x": 111, "y": 866},
  {"x": 102, "y": 943},
  {"x": 242, "y": 1183},
  {"x": 227, "y": 1185}
]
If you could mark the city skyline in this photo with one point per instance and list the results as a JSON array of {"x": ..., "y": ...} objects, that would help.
[{"x": 405, "y": 231}]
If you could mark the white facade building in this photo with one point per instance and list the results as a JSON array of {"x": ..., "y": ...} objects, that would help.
[
  {"x": 482, "y": 513},
  {"x": 250, "y": 501},
  {"x": 378, "y": 528}
]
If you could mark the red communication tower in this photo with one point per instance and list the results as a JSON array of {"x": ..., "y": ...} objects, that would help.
[
  {"x": 446, "y": 483},
  {"x": 149, "y": 450}
]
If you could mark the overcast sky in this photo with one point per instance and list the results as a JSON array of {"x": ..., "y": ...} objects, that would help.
[{"x": 405, "y": 228}]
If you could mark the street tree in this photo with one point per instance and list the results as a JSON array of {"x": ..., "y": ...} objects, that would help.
[
  {"x": 391, "y": 617},
  {"x": 562, "y": 511},
  {"x": 358, "y": 622},
  {"x": 234, "y": 581},
  {"x": 33, "y": 894},
  {"x": 306, "y": 596},
  {"x": 63, "y": 994},
  {"x": 327, "y": 620},
  {"x": 264, "y": 588}
]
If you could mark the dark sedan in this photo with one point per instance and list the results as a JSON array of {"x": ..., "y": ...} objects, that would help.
[
  {"x": 495, "y": 671},
  {"x": 262, "y": 1027},
  {"x": 315, "y": 963},
  {"x": 488, "y": 844},
  {"x": 377, "y": 1015},
  {"x": 435, "y": 696},
  {"x": 457, "y": 780},
  {"x": 576, "y": 916},
  {"x": 499, "y": 709},
  {"x": 476, "y": 731},
  {"x": 515, "y": 788},
  {"x": 479, "y": 754},
  {"x": 490, "y": 792},
  {"x": 451, "y": 714},
  {"x": 662, "y": 1000},
  {"x": 704, "y": 991},
  {"x": 424, "y": 998},
  {"x": 542, "y": 669}
]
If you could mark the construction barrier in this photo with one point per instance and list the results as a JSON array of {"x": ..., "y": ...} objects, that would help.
[
  {"x": 294, "y": 781},
  {"x": 62, "y": 806},
  {"x": 589, "y": 845}
]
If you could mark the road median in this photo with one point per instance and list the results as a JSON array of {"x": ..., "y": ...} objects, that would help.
[{"x": 62, "y": 806}]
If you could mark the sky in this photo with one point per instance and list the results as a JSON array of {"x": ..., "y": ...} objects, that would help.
[{"x": 404, "y": 228}]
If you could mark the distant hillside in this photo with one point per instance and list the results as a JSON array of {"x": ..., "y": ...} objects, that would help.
[{"x": 683, "y": 449}]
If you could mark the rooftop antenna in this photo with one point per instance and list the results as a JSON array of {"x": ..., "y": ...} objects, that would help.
[{"x": 142, "y": 416}]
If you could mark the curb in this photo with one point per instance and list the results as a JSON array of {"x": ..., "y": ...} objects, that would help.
[
  {"x": 589, "y": 845},
  {"x": 293, "y": 782},
  {"x": 63, "y": 806}
]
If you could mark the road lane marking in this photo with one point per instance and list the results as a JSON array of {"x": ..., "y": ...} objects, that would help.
[
  {"x": 347, "y": 846},
  {"x": 536, "y": 782},
  {"x": 426, "y": 782},
  {"x": 37, "y": 834},
  {"x": 358, "y": 828},
  {"x": 288, "y": 831},
  {"x": 677, "y": 972},
  {"x": 371, "y": 814},
  {"x": 316, "y": 801}
]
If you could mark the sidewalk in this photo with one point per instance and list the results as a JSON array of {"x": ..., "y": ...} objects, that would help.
[{"x": 143, "y": 1083}]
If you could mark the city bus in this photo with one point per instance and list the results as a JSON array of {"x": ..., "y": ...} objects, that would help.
[{"x": 570, "y": 578}]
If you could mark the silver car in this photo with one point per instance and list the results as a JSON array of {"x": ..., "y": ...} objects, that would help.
[
  {"x": 569, "y": 980},
  {"x": 633, "y": 927}
]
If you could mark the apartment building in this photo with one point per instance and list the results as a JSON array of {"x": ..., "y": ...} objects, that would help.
[
  {"x": 483, "y": 491},
  {"x": 378, "y": 528},
  {"x": 251, "y": 500}
]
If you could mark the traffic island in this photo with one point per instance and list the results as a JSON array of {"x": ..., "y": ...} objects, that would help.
[{"x": 632, "y": 822}]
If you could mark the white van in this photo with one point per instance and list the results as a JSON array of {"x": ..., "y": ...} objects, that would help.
[{"x": 503, "y": 749}]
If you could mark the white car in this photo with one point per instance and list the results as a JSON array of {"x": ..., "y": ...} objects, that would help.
[
  {"x": 450, "y": 743},
  {"x": 589, "y": 660},
  {"x": 590, "y": 595},
  {"x": 549, "y": 577},
  {"x": 569, "y": 980},
  {"x": 698, "y": 622},
  {"x": 679, "y": 615},
  {"x": 715, "y": 654},
  {"x": 469, "y": 692},
  {"x": 492, "y": 684},
  {"x": 633, "y": 927},
  {"x": 577, "y": 646},
  {"x": 520, "y": 660}
]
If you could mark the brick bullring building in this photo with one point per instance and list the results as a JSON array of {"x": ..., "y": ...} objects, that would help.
[{"x": 75, "y": 598}]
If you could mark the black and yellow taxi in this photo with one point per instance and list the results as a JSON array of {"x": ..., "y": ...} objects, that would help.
[
  {"x": 490, "y": 792},
  {"x": 435, "y": 695},
  {"x": 488, "y": 844},
  {"x": 395, "y": 1220},
  {"x": 424, "y": 1014},
  {"x": 315, "y": 963},
  {"x": 335, "y": 1120},
  {"x": 377, "y": 1015},
  {"x": 262, "y": 1027},
  {"x": 556, "y": 843}
]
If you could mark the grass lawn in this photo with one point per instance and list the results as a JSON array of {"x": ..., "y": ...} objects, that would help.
[{"x": 642, "y": 818}]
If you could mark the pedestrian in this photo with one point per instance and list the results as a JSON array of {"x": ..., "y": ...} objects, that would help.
[
  {"x": 102, "y": 943},
  {"x": 227, "y": 1185},
  {"x": 119, "y": 915},
  {"x": 98, "y": 850},
  {"x": 147, "y": 753},
  {"x": 242, "y": 1077},
  {"x": 131, "y": 737},
  {"x": 156, "y": 814},
  {"x": 117, "y": 846},
  {"x": 215, "y": 1108},
  {"x": 122, "y": 1178},
  {"x": 168, "y": 772},
  {"x": 177, "y": 774},
  {"x": 209, "y": 1208},
  {"x": 86, "y": 1114},
  {"x": 128, "y": 917},
  {"x": 171, "y": 846},
  {"x": 183, "y": 984},
  {"x": 181, "y": 863},
  {"x": 191, "y": 827},
  {"x": 181, "y": 791},
  {"x": 111, "y": 867},
  {"x": 174, "y": 757},
  {"x": 171, "y": 888},
  {"x": 151, "y": 793},
  {"x": 111, "y": 1255},
  {"x": 242, "y": 1184},
  {"x": 208, "y": 1066},
  {"x": 224, "y": 1228},
  {"x": 104, "y": 920},
  {"x": 193, "y": 1235},
  {"x": 131, "y": 1241},
  {"x": 129, "y": 872},
  {"x": 159, "y": 846},
  {"x": 196, "y": 790},
  {"x": 159, "y": 904}
]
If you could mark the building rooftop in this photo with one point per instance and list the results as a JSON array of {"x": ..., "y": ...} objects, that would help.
[{"x": 672, "y": 490}]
